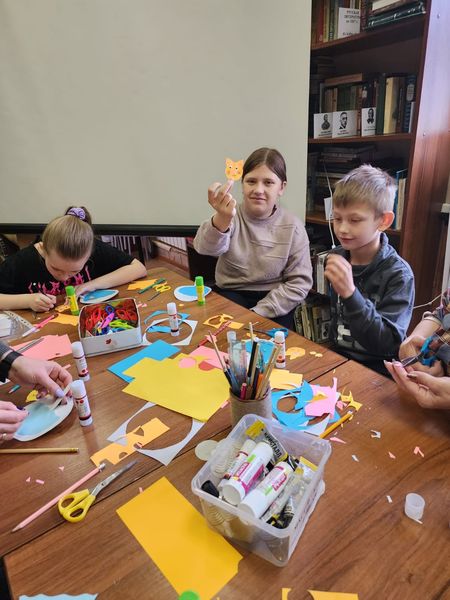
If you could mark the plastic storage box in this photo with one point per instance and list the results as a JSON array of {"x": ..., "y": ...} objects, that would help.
[
  {"x": 268, "y": 542},
  {"x": 109, "y": 342}
]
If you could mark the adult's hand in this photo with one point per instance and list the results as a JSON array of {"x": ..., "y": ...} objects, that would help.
[
  {"x": 45, "y": 376},
  {"x": 10, "y": 419},
  {"x": 427, "y": 390}
]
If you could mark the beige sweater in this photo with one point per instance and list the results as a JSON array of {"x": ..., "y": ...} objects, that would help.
[{"x": 269, "y": 254}]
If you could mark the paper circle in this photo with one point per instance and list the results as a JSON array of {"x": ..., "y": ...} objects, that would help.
[
  {"x": 98, "y": 296},
  {"x": 188, "y": 293},
  {"x": 204, "y": 449}
]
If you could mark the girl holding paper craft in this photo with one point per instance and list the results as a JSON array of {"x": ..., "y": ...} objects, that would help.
[
  {"x": 67, "y": 255},
  {"x": 264, "y": 262}
]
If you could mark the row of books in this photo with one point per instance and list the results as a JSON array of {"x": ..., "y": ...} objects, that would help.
[
  {"x": 312, "y": 318},
  {"x": 334, "y": 19},
  {"x": 326, "y": 168},
  {"x": 388, "y": 97}
]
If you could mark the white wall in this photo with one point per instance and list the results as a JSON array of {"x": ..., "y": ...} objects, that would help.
[{"x": 131, "y": 106}]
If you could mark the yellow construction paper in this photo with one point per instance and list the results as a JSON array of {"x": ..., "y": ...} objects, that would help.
[
  {"x": 140, "y": 436},
  {"x": 66, "y": 319},
  {"x": 351, "y": 403},
  {"x": 332, "y": 595},
  {"x": 140, "y": 285},
  {"x": 295, "y": 352},
  {"x": 284, "y": 593},
  {"x": 32, "y": 396},
  {"x": 281, "y": 379},
  {"x": 193, "y": 392},
  {"x": 178, "y": 540}
]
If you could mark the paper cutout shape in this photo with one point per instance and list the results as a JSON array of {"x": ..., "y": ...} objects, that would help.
[
  {"x": 60, "y": 597},
  {"x": 282, "y": 379},
  {"x": 417, "y": 450},
  {"x": 351, "y": 403},
  {"x": 201, "y": 559},
  {"x": 209, "y": 355},
  {"x": 98, "y": 296},
  {"x": 154, "y": 326},
  {"x": 234, "y": 169},
  {"x": 188, "y": 293},
  {"x": 295, "y": 352},
  {"x": 66, "y": 319},
  {"x": 375, "y": 434},
  {"x": 141, "y": 284},
  {"x": 193, "y": 392},
  {"x": 293, "y": 420},
  {"x": 142, "y": 435},
  {"x": 391, "y": 455},
  {"x": 217, "y": 320},
  {"x": 49, "y": 348},
  {"x": 332, "y": 595},
  {"x": 336, "y": 439},
  {"x": 41, "y": 419},
  {"x": 355, "y": 458},
  {"x": 158, "y": 350},
  {"x": 284, "y": 593},
  {"x": 32, "y": 396},
  {"x": 389, "y": 499},
  {"x": 163, "y": 455},
  {"x": 327, "y": 404}
]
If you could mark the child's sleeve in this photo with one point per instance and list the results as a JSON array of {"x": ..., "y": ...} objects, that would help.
[
  {"x": 381, "y": 327},
  {"x": 210, "y": 241}
]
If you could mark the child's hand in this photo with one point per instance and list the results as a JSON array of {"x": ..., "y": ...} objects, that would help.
[
  {"x": 224, "y": 204},
  {"x": 339, "y": 273},
  {"x": 84, "y": 288},
  {"x": 411, "y": 347},
  {"x": 41, "y": 303}
]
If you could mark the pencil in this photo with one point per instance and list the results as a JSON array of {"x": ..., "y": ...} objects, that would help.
[
  {"x": 336, "y": 425},
  {"x": 54, "y": 500},
  {"x": 36, "y": 450}
]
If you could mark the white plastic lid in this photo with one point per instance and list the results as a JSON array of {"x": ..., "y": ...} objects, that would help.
[
  {"x": 254, "y": 503},
  {"x": 279, "y": 337},
  {"x": 233, "y": 491},
  {"x": 172, "y": 308},
  {"x": 78, "y": 388},
  {"x": 77, "y": 349},
  {"x": 414, "y": 506},
  {"x": 205, "y": 449}
]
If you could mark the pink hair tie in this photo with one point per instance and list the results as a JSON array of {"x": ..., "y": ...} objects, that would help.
[{"x": 77, "y": 212}]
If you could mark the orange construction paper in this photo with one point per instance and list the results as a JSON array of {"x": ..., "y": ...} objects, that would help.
[
  {"x": 141, "y": 284},
  {"x": 66, "y": 319},
  {"x": 177, "y": 538},
  {"x": 332, "y": 595},
  {"x": 140, "y": 436}
]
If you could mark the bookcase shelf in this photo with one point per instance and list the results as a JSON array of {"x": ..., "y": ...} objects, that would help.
[{"x": 420, "y": 45}]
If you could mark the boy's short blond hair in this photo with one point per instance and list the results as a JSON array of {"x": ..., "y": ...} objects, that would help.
[{"x": 368, "y": 185}]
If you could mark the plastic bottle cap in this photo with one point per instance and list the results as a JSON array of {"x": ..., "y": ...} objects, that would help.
[
  {"x": 199, "y": 280},
  {"x": 233, "y": 491},
  {"x": 172, "y": 308},
  {"x": 78, "y": 388},
  {"x": 205, "y": 449},
  {"x": 414, "y": 506},
  {"x": 189, "y": 595},
  {"x": 77, "y": 349},
  {"x": 70, "y": 290},
  {"x": 279, "y": 337}
]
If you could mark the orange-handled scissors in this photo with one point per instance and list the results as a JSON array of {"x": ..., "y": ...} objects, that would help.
[{"x": 80, "y": 502}]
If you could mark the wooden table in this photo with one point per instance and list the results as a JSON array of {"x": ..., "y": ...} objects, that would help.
[
  {"x": 355, "y": 541},
  {"x": 111, "y": 407}
]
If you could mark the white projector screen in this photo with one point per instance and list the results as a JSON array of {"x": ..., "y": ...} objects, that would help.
[{"x": 130, "y": 107}]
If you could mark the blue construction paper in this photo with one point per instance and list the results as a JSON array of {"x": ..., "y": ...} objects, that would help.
[
  {"x": 191, "y": 290},
  {"x": 159, "y": 350},
  {"x": 40, "y": 417},
  {"x": 265, "y": 346},
  {"x": 293, "y": 420},
  {"x": 97, "y": 295},
  {"x": 60, "y": 597}
]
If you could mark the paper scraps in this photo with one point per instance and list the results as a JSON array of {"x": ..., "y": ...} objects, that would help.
[
  {"x": 201, "y": 559},
  {"x": 332, "y": 595},
  {"x": 140, "y": 436},
  {"x": 193, "y": 392},
  {"x": 336, "y": 439},
  {"x": 375, "y": 434},
  {"x": 66, "y": 319},
  {"x": 389, "y": 499},
  {"x": 295, "y": 352},
  {"x": 355, "y": 458},
  {"x": 417, "y": 451},
  {"x": 392, "y": 455}
]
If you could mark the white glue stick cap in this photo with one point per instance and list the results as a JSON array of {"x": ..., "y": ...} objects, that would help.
[
  {"x": 233, "y": 491},
  {"x": 254, "y": 503},
  {"x": 78, "y": 388},
  {"x": 414, "y": 506},
  {"x": 279, "y": 337},
  {"x": 77, "y": 349},
  {"x": 172, "y": 308}
]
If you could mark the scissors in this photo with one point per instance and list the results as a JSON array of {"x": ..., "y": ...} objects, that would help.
[
  {"x": 271, "y": 332},
  {"x": 162, "y": 287},
  {"x": 426, "y": 355},
  {"x": 80, "y": 502}
]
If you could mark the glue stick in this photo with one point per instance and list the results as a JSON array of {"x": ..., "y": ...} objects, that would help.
[
  {"x": 259, "y": 499},
  {"x": 174, "y": 323},
  {"x": 200, "y": 290},
  {"x": 80, "y": 361},
  {"x": 72, "y": 297},
  {"x": 81, "y": 402},
  {"x": 280, "y": 343}
]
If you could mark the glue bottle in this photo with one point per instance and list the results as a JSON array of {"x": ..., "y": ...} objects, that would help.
[
  {"x": 199, "y": 285},
  {"x": 72, "y": 297},
  {"x": 280, "y": 343},
  {"x": 80, "y": 361},
  {"x": 173, "y": 319},
  {"x": 81, "y": 402}
]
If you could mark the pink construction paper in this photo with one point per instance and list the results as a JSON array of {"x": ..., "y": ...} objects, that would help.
[
  {"x": 327, "y": 405},
  {"x": 417, "y": 450},
  {"x": 392, "y": 455},
  {"x": 336, "y": 439},
  {"x": 210, "y": 356},
  {"x": 51, "y": 347}
]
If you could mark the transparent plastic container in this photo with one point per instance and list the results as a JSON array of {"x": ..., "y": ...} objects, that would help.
[{"x": 268, "y": 542}]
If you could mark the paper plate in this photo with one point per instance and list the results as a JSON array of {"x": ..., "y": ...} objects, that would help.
[
  {"x": 188, "y": 293},
  {"x": 40, "y": 420},
  {"x": 98, "y": 296}
]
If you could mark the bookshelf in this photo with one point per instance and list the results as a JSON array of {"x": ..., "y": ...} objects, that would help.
[{"x": 421, "y": 45}]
